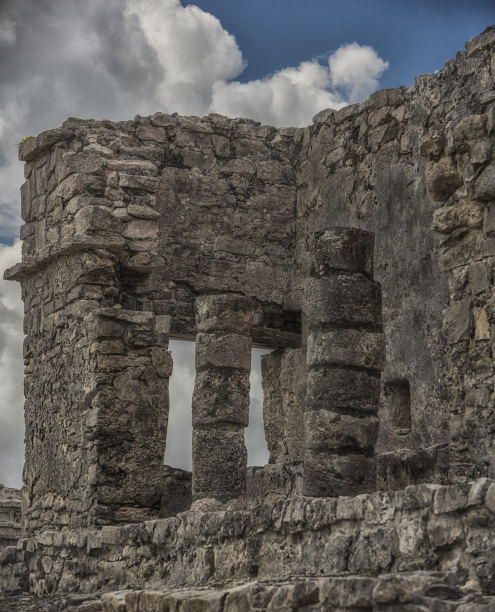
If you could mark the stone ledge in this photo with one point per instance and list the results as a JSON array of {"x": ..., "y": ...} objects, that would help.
[
  {"x": 420, "y": 527},
  {"x": 427, "y": 590},
  {"x": 83, "y": 242},
  {"x": 408, "y": 591},
  {"x": 32, "y": 147}
]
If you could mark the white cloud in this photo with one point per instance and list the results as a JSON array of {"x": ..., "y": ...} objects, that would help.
[
  {"x": 292, "y": 96},
  {"x": 200, "y": 60},
  {"x": 11, "y": 372},
  {"x": 115, "y": 59},
  {"x": 356, "y": 69},
  {"x": 194, "y": 50}
]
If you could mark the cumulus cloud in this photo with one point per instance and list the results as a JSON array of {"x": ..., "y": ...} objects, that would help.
[
  {"x": 201, "y": 59},
  {"x": 194, "y": 50},
  {"x": 356, "y": 69},
  {"x": 115, "y": 59}
]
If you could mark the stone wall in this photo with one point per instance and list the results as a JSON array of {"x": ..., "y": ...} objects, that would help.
[
  {"x": 127, "y": 223},
  {"x": 362, "y": 167},
  {"x": 461, "y": 181},
  {"x": 10, "y": 516},
  {"x": 425, "y": 527}
]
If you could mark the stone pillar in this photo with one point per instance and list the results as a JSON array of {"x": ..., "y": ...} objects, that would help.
[
  {"x": 95, "y": 354},
  {"x": 220, "y": 405},
  {"x": 345, "y": 355}
]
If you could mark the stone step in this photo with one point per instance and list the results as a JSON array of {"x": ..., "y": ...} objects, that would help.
[
  {"x": 411, "y": 591},
  {"x": 414, "y": 592}
]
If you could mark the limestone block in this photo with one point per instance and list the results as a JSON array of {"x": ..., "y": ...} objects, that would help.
[
  {"x": 176, "y": 491},
  {"x": 485, "y": 184},
  {"x": 76, "y": 184},
  {"x": 327, "y": 431},
  {"x": 338, "y": 248},
  {"x": 221, "y": 397},
  {"x": 148, "y": 132},
  {"x": 135, "y": 181},
  {"x": 30, "y": 148},
  {"x": 140, "y": 229},
  {"x": 442, "y": 179},
  {"x": 329, "y": 475},
  {"x": 342, "y": 299},
  {"x": 343, "y": 389},
  {"x": 140, "y": 262},
  {"x": 490, "y": 498},
  {"x": 97, "y": 218},
  {"x": 223, "y": 350},
  {"x": 142, "y": 212},
  {"x": 457, "y": 320},
  {"x": 273, "y": 417},
  {"x": 481, "y": 151},
  {"x": 449, "y": 218},
  {"x": 349, "y": 593},
  {"x": 162, "y": 361},
  {"x": 448, "y": 499},
  {"x": 133, "y": 166},
  {"x": 82, "y": 163},
  {"x": 472, "y": 127},
  {"x": 348, "y": 347},
  {"x": 219, "y": 463},
  {"x": 432, "y": 145},
  {"x": 293, "y": 374},
  {"x": 224, "y": 312}
]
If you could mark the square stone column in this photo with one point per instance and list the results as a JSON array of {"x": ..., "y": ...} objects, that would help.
[
  {"x": 220, "y": 404},
  {"x": 345, "y": 355}
]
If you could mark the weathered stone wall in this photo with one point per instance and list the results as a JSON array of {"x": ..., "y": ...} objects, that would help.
[
  {"x": 127, "y": 223},
  {"x": 461, "y": 173},
  {"x": 425, "y": 527},
  {"x": 362, "y": 167},
  {"x": 10, "y": 516},
  {"x": 96, "y": 381}
]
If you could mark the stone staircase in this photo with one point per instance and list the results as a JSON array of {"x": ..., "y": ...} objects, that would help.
[
  {"x": 10, "y": 516},
  {"x": 409, "y": 591},
  {"x": 420, "y": 591}
]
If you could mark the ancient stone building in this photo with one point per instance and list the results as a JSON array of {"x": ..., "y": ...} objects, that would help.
[{"x": 361, "y": 251}]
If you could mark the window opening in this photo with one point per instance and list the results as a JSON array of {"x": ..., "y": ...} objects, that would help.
[
  {"x": 398, "y": 401},
  {"x": 256, "y": 445},
  {"x": 178, "y": 451}
]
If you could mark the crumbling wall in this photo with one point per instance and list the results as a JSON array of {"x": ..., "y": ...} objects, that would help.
[
  {"x": 10, "y": 516},
  {"x": 127, "y": 223},
  {"x": 362, "y": 167},
  {"x": 425, "y": 527}
]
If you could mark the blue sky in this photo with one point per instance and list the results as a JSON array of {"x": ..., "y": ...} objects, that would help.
[{"x": 415, "y": 36}]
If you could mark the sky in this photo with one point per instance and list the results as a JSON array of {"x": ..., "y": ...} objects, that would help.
[{"x": 277, "y": 61}]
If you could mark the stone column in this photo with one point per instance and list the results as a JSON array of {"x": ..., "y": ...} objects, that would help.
[
  {"x": 345, "y": 355},
  {"x": 220, "y": 405}
]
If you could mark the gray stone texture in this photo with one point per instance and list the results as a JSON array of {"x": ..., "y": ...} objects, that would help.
[
  {"x": 10, "y": 516},
  {"x": 126, "y": 224},
  {"x": 220, "y": 403},
  {"x": 284, "y": 391},
  {"x": 339, "y": 309},
  {"x": 431, "y": 528}
]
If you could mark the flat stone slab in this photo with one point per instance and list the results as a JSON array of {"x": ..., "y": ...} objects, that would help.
[{"x": 414, "y": 591}]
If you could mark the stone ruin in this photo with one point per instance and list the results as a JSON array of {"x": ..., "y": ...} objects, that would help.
[{"x": 361, "y": 251}]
